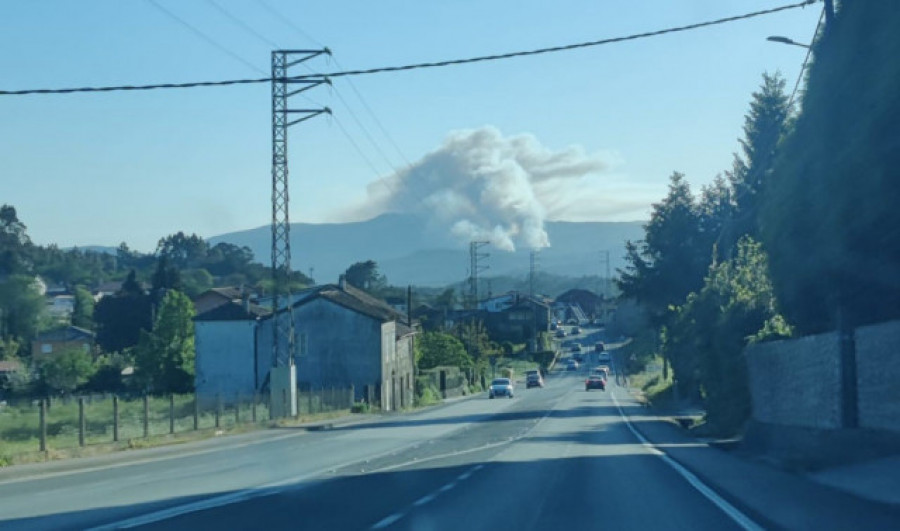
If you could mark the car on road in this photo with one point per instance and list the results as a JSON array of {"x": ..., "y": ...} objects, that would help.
[
  {"x": 533, "y": 378},
  {"x": 501, "y": 387},
  {"x": 601, "y": 371},
  {"x": 576, "y": 347},
  {"x": 604, "y": 358},
  {"x": 572, "y": 365},
  {"x": 594, "y": 382},
  {"x": 560, "y": 332},
  {"x": 576, "y": 330},
  {"x": 600, "y": 347}
]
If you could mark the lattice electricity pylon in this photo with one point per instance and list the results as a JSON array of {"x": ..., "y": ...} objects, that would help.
[
  {"x": 282, "y": 89},
  {"x": 474, "y": 269}
]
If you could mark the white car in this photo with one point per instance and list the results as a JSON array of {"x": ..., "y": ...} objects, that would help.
[{"x": 501, "y": 387}]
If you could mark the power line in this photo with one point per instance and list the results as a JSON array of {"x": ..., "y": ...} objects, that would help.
[
  {"x": 806, "y": 61},
  {"x": 196, "y": 32},
  {"x": 414, "y": 66},
  {"x": 275, "y": 13},
  {"x": 243, "y": 25}
]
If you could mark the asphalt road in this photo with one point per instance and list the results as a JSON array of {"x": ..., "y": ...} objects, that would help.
[{"x": 550, "y": 458}]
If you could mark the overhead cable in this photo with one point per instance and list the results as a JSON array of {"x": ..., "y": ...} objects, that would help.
[{"x": 418, "y": 66}]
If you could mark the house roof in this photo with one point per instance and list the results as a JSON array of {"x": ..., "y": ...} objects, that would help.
[
  {"x": 357, "y": 300},
  {"x": 10, "y": 366},
  {"x": 69, "y": 333},
  {"x": 233, "y": 311}
]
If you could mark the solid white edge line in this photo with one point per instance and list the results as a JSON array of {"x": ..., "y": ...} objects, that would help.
[{"x": 733, "y": 512}]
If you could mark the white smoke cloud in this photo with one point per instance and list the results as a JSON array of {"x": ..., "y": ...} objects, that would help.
[{"x": 480, "y": 185}]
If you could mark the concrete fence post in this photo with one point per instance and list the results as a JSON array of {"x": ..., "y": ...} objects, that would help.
[
  {"x": 43, "y": 425},
  {"x": 196, "y": 412},
  {"x": 81, "y": 421},
  {"x": 218, "y": 409},
  {"x": 171, "y": 413},
  {"x": 352, "y": 396},
  {"x": 309, "y": 400},
  {"x": 146, "y": 416},
  {"x": 237, "y": 409},
  {"x": 115, "y": 418},
  {"x": 253, "y": 407},
  {"x": 297, "y": 399}
]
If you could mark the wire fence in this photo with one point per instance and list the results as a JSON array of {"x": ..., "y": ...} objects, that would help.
[{"x": 39, "y": 426}]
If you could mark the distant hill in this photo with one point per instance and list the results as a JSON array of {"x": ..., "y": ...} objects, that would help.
[{"x": 408, "y": 252}]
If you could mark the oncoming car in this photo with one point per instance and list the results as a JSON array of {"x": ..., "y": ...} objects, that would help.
[
  {"x": 501, "y": 387},
  {"x": 533, "y": 379}
]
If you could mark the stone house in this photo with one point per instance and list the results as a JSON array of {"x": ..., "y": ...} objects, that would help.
[{"x": 342, "y": 337}]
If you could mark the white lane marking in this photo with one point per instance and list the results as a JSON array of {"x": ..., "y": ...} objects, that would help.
[
  {"x": 733, "y": 512},
  {"x": 388, "y": 521},
  {"x": 428, "y": 498},
  {"x": 424, "y": 499}
]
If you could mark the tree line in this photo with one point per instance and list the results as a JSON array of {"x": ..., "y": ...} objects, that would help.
[{"x": 797, "y": 237}]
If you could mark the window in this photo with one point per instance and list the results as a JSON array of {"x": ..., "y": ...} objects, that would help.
[
  {"x": 300, "y": 344},
  {"x": 46, "y": 348}
]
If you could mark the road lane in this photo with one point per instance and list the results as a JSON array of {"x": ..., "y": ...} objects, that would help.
[
  {"x": 569, "y": 460},
  {"x": 93, "y": 497}
]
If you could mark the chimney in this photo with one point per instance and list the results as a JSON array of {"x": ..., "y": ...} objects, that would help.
[
  {"x": 342, "y": 282},
  {"x": 245, "y": 301}
]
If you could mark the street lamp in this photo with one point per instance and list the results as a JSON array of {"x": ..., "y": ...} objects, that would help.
[{"x": 785, "y": 40}]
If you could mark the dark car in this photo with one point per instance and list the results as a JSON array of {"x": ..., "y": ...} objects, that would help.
[
  {"x": 595, "y": 382},
  {"x": 533, "y": 379},
  {"x": 600, "y": 347}
]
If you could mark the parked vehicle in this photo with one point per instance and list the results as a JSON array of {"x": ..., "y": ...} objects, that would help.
[
  {"x": 576, "y": 330},
  {"x": 572, "y": 365},
  {"x": 576, "y": 347},
  {"x": 560, "y": 332},
  {"x": 600, "y": 347},
  {"x": 501, "y": 387},
  {"x": 595, "y": 382}
]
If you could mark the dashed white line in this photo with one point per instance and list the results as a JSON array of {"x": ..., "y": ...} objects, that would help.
[
  {"x": 388, "y": 521},
  {"x": 740, "y": 518},
  {"x": 424, "y": 499}
]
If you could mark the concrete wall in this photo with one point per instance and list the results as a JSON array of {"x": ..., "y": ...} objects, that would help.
[
  {"x": 796, "y": 382},
  {"x": 225, "y": 360},
  {"x": 878, "y": 375}
]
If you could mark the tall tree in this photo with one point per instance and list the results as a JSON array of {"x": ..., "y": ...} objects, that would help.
[
  {"x": 436, "y": 349},
  {"x": 764, "y": 126},
  {"x": 830, "y": 216},
  {"x": 21, "y": 308},
  {"x": 365, "y": 276},
  {"x": 671, "y": 261},
  {"x": 14, "y": 243},
  {"x": 120, "y": 318},
  {"x": 83, "y": 312},
  {"x": 183, "y": 251},
  {"x": 164, "y": 358},
  {"x": 65, "y": 371}
]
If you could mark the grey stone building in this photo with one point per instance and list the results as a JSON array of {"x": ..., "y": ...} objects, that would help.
[{"x": 343, "y": 337}]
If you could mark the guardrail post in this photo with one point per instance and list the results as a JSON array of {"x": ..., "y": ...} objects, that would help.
[{"x": 81, "y": 421}]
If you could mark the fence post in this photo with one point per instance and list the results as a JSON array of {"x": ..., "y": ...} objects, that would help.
[
  {"x": 309, "y": 400},
  {"x": 146, "y": 415},
  {"x": 218, "y": 409},
  {"x": 172, "y": 413},
  {"x": 352, "y": 395},
  {"x": 237, "y": 409},
  {"x": 196, "y": 412},
  {"x": 297, "y": 404},
  {"x": 81, "y": 421},
  {"x": 115, "y": 418},
  {"x": 253, "y": 410},
  {"x": 43, "y": 425}
]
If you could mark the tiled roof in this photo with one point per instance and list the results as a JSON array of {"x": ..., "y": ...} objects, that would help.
[
  {"x": 229, "y": 292},
  {"x": 233, "y": 311},
  {"x": 70, "y": 333},
  {"x": 10, "y": 366}
]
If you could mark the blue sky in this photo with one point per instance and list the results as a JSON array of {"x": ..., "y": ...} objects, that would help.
[{"x": 105, "y": 168}]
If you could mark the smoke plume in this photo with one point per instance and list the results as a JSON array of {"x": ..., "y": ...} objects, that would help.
[{"x": 480, "y": 185}]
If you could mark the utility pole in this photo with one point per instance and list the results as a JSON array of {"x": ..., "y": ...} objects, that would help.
[
  {"x": 283, "y": 116},
  {"x": 474, "y": 268},
  {"x": 605, "y": 260},
  {"x": 532, "y": 302},
  {"x": 531, "y": 272}
]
